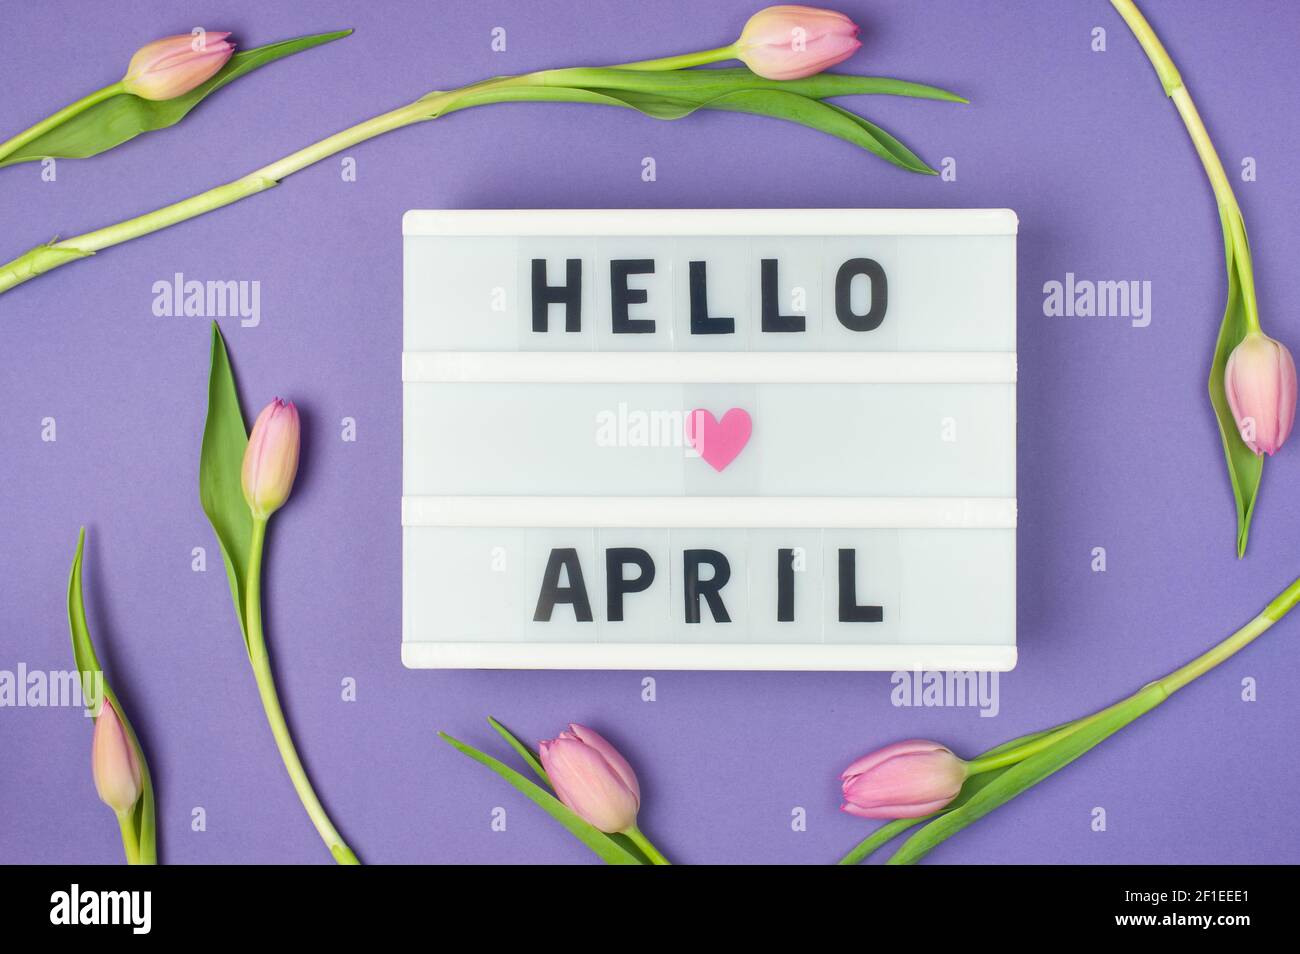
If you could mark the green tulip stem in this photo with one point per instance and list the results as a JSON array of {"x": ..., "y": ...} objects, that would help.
[
  {"x": 999, "y": 760},
  {"x": 1279, "y": 607},
  {"x": 647, "y": 847},
  {"x": 1170, "y": 684},
  {"x": 45, "y": 258},
  {"x": 684, "y": 60},
  {"x": 1234, "y": 228},
  {"x": 130, "y": 841},
  {"x": 261, "y": 663},
  {"x": 10, "y": 146}
]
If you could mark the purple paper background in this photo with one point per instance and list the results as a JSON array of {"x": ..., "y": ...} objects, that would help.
[{"x": 1117, "y": 441}]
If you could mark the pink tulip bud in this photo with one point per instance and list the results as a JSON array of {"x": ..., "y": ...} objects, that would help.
[
  {"x": 591, "y": 778},
  {"x": 174, "y": 65},
  {"x": 271, "y": 460},
  {"x": 1261, "y": 386},
  {"x": 905, "y": 780},
  {"x": 791, "y": 42},
  {"x": 113, "y": 762}
]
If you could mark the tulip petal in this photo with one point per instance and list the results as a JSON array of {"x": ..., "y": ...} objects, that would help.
[
  {"x": 904, "y": 780},
  {"x": 906, "y": 747},
  {"x": 114, "y": 764},
  {"x": 586, "y": 783},
  {"x": 271, "y": 459},
  {"x": 612, "y": 755},
  {"x": 792, "y": 42}
]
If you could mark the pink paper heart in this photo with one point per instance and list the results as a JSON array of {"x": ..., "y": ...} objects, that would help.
[{"x": 718, "y": 442}]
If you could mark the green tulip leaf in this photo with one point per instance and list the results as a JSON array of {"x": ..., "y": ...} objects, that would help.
[
  {"x": 1245, "y": 467},
  {"x": 698, "y": 84},
  {"x": 825, "y": 85},
  {"x": 901, "y": 154},
  {"x": 527, "y": 754},
  {"x": 124, "y": 116},
  {"x": 595, "y": 839},
  {"x": 1011, "y": 781},
  {"x": 221, "y": 464},
  {"x": 791, "y": 107},
  {"x": 776, "y": 104},
  {"x": 826, "y": 118},
  {"x": 142, "y": 821}
]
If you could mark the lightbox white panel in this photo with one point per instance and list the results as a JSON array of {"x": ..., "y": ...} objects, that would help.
[
  {"x": 880, "y": 440},
  {"x": 945, "y": 293},
  {"x": 930, "y": 586},
  {"x": 709, "y": 392}
]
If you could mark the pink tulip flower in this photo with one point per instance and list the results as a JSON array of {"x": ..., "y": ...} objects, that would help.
[
  {"x": 271, "y": 459},
  {"x": 791, "y": 42},
  {"x": 592, "y": 778},
  {"x": 905, "y": 780},
  {"x": 175, "y": 65},
  {"x": 113, "y": 762},
  {"x": 1261, "y": 386}
]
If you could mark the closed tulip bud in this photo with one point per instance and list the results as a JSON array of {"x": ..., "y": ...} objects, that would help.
[
  {"x": 174, "y": 65},
  {"x": 271, "y": 459},
  {"x": 791, "y": 42},
  {"x": 905, "y": 780},
  {"x": 592, "y": 778},
  {"x": 1261, "y": 386},
  {"x": 113, "y": 762}
]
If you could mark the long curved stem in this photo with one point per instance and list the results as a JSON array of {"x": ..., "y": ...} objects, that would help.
[
  {"x": 44, "y": 258},
  {"x": 1234, "y": 229},
  {"x": 261, "y": 663},
  {"x": 1170, "y": 684},
  {"x": 1279, "y": 607},
  {"x": 1021, "y": 752},
  {"x": 13, "y": 144}
]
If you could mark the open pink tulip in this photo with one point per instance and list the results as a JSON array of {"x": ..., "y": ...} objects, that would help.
[
  {"x": 1261, "y": 385},
  {"x": 791, "y": 42},
  {"x": 174, "y": 65},
  {"x": 592, "y": 778},
  {"x": 113, "y": 762},
  {"x": 271, "y": 459},
  {"x": 905, "y": 780}
]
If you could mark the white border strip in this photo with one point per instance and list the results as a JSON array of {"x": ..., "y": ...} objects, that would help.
[
  {"x": 695, "y": 367},
  {"x": 855, "y": 513},
  {"x": 743, "y": 656},
  {"x": 589, "y": 223}
]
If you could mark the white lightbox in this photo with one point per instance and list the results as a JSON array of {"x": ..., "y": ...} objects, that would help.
[{"x": 709, "y": 439}]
